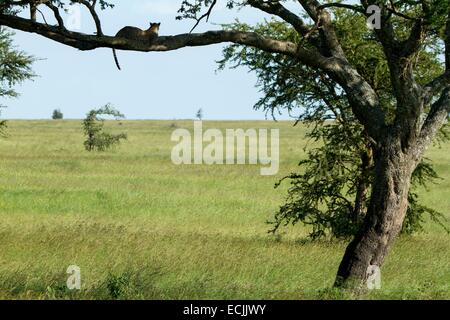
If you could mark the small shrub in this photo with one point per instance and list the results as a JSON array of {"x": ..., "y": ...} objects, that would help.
[
  {"x": 199, "y": 114},
  {"x": 57, "y": 115},
  {"x": 3, "y": 126},
  {"x": 97, "y": 139}
]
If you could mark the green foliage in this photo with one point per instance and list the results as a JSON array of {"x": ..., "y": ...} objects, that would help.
[
  {"x": 331, "y": 194},
  {"x": 118, "y": 285},
  {"x": 3, "y": 127},
  {"x": 57, "y": 114},
  {"x": 422, "y": 176},
  {"x": 15, "y": 68},
  {"x": 97, "y": 139},
  {"x": 322, "y": 196}
]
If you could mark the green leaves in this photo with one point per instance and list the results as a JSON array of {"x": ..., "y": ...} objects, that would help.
[
  {"x": 332, "y": 192},
  {"x": 324, "y": 195},
  {"x": 15, "y": 68},
  {"x": 97, "y": 139},
  {"x": 15, "y": 65}
]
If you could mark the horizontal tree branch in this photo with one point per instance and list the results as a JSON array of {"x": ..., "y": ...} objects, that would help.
[
  {"x": 367, "y": 110},
  {"x": 343, "y": 5},
  {"x": 86, "y": 42}
]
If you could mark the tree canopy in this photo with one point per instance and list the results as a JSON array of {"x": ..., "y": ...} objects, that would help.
[{"x": 331, "y": 194}]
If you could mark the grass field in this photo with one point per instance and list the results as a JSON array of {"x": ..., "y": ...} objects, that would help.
[{"x": 140, "y": 227}]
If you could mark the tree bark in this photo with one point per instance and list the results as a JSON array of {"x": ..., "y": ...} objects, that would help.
[
  {"x": 362, "y": 188},
  {"x": 384, "y": 218}
]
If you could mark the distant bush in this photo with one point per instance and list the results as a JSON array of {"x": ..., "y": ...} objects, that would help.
[
  {"x": 57, "y": 114},
  {"x": 97, "y": 139},
  {"x": 199, "y": 114},
  {"x": 3, "y": 126}
]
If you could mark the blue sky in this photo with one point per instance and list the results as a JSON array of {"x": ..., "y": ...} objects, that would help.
[{"x": 170, "y": 85}]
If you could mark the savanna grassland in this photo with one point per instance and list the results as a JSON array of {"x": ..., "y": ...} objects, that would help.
[{"x": 141, "y": 227}]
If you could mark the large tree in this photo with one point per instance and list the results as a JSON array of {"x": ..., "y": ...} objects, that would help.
[
  {"x": 330, "y": 195},
  {"x": 399, "y": 129}
]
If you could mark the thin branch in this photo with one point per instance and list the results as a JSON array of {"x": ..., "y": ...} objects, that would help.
[
  {"x": 394, "y": 11},
  {"x": 42, "y": 15},
  {"x": 91, "y": 8},
  {"x": 56, "y": 14},
  {"x": 279, "y": 10},
  {"x": 343, "y": 5},
  {"x": 205, "y": 15}
]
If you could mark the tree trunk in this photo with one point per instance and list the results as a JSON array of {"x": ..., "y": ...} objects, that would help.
[
  {"x": 362, "y": 188},
  {"x": 384, "y": 218}
]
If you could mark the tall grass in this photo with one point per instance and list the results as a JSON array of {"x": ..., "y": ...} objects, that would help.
[{"x": 141, "y": 227}]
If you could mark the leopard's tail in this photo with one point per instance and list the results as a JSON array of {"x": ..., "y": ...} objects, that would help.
[{"x": 116, "y": 59}]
